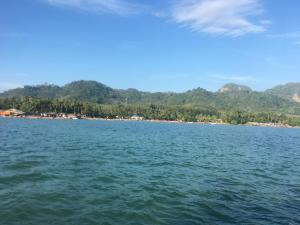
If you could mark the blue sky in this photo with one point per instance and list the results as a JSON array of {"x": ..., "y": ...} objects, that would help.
[{"x": 170, "y": 45}]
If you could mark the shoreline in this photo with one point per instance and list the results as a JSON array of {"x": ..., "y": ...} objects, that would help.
[{"x": 250, "y": 124}]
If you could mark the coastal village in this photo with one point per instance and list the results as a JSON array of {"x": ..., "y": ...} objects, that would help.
[
  {"x": 15, "y": 113},
  {"x": 52, "y": 115},
  {"x": 11, "y": 112}
]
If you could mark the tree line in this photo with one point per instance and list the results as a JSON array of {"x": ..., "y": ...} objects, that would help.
[{"x": 36, "y": 106}]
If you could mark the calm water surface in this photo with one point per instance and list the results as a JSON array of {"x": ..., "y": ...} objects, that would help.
[{"x": 110, "y": 172}]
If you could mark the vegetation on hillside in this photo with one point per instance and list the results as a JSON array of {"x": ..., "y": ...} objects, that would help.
[
  {"x": 235, "y": 98},
  {"x": 288, "y": 91},
  {"x": 237, "y": 104},
  {"x": 36, "y": 106}
]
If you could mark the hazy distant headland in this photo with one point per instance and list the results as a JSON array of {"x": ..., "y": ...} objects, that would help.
[{"x": 232, "y": 103}]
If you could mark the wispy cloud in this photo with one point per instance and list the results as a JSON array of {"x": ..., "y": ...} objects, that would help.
[
  {"x": 160, "y": 14},
  {"x": 285, "y": 35},
  {"x": 232, "y": 78},
  {"x": 265, "y": 22},
  {"x": 119, "y": 7},
  {"x": 293, "y": 37},
  {"x": 220, "y": 17}
]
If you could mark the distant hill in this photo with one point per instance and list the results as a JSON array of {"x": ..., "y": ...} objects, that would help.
[
  {"x": 289, "y": 91},
  {"x": 233, "y": 88},
  {"x": 282, "y": 99},
  {"x": 41, "y": 91},
  {"x": 78, "y": 90},
  {"x": 90, "y": 91}
]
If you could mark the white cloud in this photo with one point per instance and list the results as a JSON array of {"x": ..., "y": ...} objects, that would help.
[
  {"x": 160, "y": 14},
  {"x": 220, "y": 17},
  {"x": 232, "y": 78},
  {"x": 265, "y": 22},
  {"x": 119, "y": 7}
]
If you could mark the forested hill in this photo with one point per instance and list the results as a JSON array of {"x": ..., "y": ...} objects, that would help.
[
  {"x": 288, "y": 91},
  {"x": 281, "y": 99},
  {"x": 90, "y": 91}
]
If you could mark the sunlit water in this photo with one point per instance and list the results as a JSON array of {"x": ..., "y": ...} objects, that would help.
[{"x": 112, "y": 172}]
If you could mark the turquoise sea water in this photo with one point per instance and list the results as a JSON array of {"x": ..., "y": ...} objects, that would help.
[{"x": 112, "y": 172}]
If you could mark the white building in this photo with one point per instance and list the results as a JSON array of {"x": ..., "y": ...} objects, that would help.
[{"x": 136, "y": 117}]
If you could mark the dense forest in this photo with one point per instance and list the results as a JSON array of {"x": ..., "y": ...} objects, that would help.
[
  {"x": 229, "y": 97},
  {"x": 36, "y": 106},
  {"x": 233, "y": 103}
]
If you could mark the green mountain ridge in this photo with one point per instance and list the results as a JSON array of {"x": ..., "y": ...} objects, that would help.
[
  {"x": 287, "y": 91},
  {"x": 280, "y": 99}
]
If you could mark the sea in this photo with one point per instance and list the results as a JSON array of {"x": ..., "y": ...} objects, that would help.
[{"x": 69, "y": 172}]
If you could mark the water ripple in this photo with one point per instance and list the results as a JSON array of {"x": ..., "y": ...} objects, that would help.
[{"x": 110, "y": 172}]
